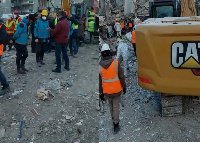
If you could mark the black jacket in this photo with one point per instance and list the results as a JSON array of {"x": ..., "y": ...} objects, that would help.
[{"x": 3, "y": 33}]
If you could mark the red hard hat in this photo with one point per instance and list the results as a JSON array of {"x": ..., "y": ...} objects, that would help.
[{"x": 16, "y": 12}]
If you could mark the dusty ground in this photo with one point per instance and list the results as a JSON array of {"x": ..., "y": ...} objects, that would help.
[
  {"x": 70, "y": 117},
  {"x": 141, "y": 120}
]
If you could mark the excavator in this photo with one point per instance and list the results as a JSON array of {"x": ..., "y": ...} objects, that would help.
[{"x": 168, "y": 53}]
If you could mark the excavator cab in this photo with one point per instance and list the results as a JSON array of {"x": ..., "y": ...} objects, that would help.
[{"x": 164, "y": 8}]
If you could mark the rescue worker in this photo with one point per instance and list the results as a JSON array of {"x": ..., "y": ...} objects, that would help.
[
  {"x": 134, "y": 40},
  {"x": 122, "y": 26},
  {"x": 73, "y": 39},
  {"x": 91, "y": 27},
  {"x": 33, "y": 43},
  {"x": 21, "y": 40},
  {"x": 41, "y": 37},
  {"x": 111, "y": 83},
  {"x": 91, "y": 14},
  {"x": 3, "y": 38},
  {"x": 17, "y": 19},
  {"x": 10, "y": 27},
  {"x": 81, "y": 29},
  {"x": 61, "y": 33},
  {"x": 123, "y": 49},
  {"x": 130, "y": 24},
  {"x": 118, "y": 28}
]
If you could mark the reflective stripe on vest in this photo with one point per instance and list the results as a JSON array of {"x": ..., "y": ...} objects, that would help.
[
  {"x": 74, "y": 26},
  {"x": 110, "y": 80},
  {"x": 133, "y": 37},
  {"x": 16, "y": 23},
  {"x": 9, "y": 25}
]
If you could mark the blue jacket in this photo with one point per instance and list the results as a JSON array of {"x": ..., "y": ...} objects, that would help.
[
  {"x": 70, "y": 29},
  {"x": 40, "y": 30},
  {"x": 21, "y": 35}
]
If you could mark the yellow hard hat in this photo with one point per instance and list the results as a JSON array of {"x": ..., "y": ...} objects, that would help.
[
  {"x": 45, "y": 12},
  {"x": 118, "y": 39}
]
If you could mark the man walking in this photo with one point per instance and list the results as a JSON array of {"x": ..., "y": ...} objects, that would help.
[
  {"x": 41, "y": 37},
  {"x": 3, "y": 39},
  {"x": 111, "y": 83},
  {"x": 33, "y": 43},
  {"x": 60, "y": 34},
  {"x": 21, "y": 40},
  {"x": 118, "y": 28}
]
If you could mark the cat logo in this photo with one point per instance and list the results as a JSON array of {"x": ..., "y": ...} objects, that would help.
[{"x": 186, "y": 55}]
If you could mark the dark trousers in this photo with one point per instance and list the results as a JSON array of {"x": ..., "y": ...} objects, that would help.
[
  {"x": 3, "y": 80},
  {"x": 80, "y": 41},
  {"x": 40, "y": 47},
  {"x": 134, "y": 47},
  {"x": 22, "y": 54},
  {"x": 61, "y": 48},
  {"x": 10, "y": 37},
  {"x": 91, "y": 34},
  {"x": 33, "y": 45},
  {"x": 73, "y": 45}
]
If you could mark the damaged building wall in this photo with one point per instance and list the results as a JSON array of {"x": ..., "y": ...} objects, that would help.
[{"x": 128, "y": 7}]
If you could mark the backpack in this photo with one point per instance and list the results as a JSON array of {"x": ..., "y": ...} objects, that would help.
[{"x": 3, "y": 34}]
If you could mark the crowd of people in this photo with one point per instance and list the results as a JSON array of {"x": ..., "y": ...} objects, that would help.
[{"x": 59, "y": 30}]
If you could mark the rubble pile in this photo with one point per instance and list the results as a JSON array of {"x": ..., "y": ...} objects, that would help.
[{"x": 27, "y": 116}]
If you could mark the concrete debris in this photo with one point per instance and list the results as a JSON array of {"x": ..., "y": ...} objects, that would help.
[
  {"x": 43, "y": 94},
  {"x": 2, "y": 132}
]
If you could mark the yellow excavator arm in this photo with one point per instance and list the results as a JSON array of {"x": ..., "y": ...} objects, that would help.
[
  {"x": 188, "y": 8},
  {"x": 66, "y": 5}
]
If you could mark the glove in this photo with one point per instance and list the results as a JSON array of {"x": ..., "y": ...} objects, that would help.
[
  {"x": 124, "y": 90},
  {"x": 102, "y": 97},
  {"x": 36, "y": 40}
]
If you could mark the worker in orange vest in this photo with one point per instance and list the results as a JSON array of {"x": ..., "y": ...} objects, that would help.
[
  {"x": 134, "y": 40},
  {"x": 17, "y": 19},
  {"x": 3, "y": 39},
  {"x": 10, "y": 27},
  {"x": 111, "y": 83},
  {"x": 130, "y": 24},
  {"x": 122, "y": 26}
]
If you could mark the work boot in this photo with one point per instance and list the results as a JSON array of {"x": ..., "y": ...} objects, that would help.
[
  {"x": 116, "y": 128},
  {"x": 67, "y": 68},
  {"x": 20, "y": 71},
  {"x": 24, "y": 69},
  {"x": 4, "y": 90},
  {"x": 56, "y": 70}
]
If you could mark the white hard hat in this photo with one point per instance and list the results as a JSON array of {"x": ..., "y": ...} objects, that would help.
[{"x": 105, "y": 47}]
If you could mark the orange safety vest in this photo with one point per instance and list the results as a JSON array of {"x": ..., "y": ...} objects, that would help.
[
  {"x": 133, "y": 37},
  {"x": 122, "y": 24},
  {"x": 9, "y": 25},
  {"x": 130, "y": 25},
  {"x": 110, "y": 79}
]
